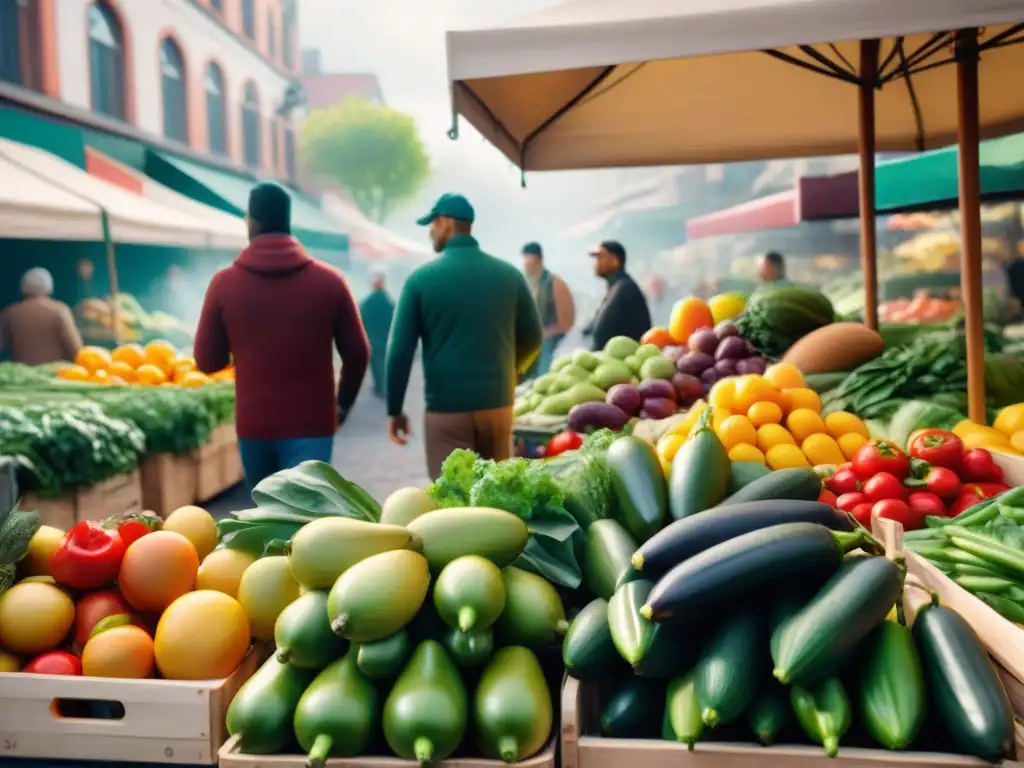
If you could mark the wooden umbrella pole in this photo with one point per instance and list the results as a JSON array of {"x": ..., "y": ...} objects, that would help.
[
  {"x": 970, "y": 219},
  {"x": 115, "y": 305},
  {"x": 866, "y": 179}
]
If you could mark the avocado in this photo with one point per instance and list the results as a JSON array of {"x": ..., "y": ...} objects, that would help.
[
  {"x": 512, "y": 710},
  {"x": 337, "y": 715},
  {"x": 469, "y": 593},
  {"x": 573, "y": 371},
  {"x": 647, "y": 351},
  {"x": 383, "y": 659},
  {"x": 582, "y": 392},
  {"x": 541, "y": 383},
  {"x": 559, "y": 363},
  {"x": 534, "y": 614},
  {"x": 450, "y": 533},
  {"x": 425, "y": 714},
  {"x": 405, "y": 505},
  {"x": 620, "y": 347},
  {"x": 469, "y": 650},
  {"x": 262, "y": 710},
  {"x": 324, "y": 549},
  {"x": 611, "y": 372},
  {"x": 379, "y": 596},
  {"x": 303, "y": 633},
  {"x": 585, "y": 359},
  {"x": 657, "y": 368}
]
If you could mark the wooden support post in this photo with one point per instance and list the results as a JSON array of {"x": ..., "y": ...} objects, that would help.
[{"x": 866, "y": 179}]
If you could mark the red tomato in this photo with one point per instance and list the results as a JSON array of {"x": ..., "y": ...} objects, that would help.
[
  {"x": 943, "y": 482},
  {"x": 566, "y": 440},
  {"x": 862, "y": 514},
  {"x": 827, "y": 497},
  {"x": 55, "y": 663},
  {"x": 93, "y": 608},
  {"x": 926, "y": 503},
  {"x": 939, "y": 448},
  {"x": 131, "y": 531},
  {"x": 898, "y": 510},
  {"x": 884, "y": 486},
  {"x": 848, "y": 501},
  {"x": 843, "y": 481},
  {"x": 881, "y": 456},
  {"x": 980, "y": 467}
]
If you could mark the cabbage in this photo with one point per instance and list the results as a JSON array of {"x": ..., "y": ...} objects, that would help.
[
  {"x": 1004, "y": 379},
  {"x": 920, "y": 414}
]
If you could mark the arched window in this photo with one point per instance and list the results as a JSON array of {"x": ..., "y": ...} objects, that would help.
[
  {"x": 249, "y": 18},
  {"x": 106, "y": 61},
  {"x": 216, "y": 112},
  {"x": 271, "y": 37},
  {"x": 172, "y": 83},
  {"x": 251, "y": 126}
]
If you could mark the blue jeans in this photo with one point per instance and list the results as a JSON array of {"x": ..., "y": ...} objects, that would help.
[
  {"x": 547, "y": 356},
  {"x": 262, "y": 458}
]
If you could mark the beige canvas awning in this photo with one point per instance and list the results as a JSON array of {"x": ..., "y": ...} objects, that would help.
[
  {"x": 31, "y": 208},
  {"x": 596, "y": 83}
]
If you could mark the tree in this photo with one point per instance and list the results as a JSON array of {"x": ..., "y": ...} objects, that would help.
[{"x": 374, "y": 152}]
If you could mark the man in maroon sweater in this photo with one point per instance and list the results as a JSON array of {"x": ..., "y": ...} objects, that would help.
[{"x": 277, "y": 313}]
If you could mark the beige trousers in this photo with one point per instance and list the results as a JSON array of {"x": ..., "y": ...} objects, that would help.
[{"x": 489, "y": 433}]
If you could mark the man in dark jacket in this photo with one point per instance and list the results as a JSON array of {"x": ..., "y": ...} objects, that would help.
[
  {"x": 377, "y": 311},
  {"x": 624, "y": 310},
  {"x": 277, "y": 313},
  {"x": 480, "y": 330}
]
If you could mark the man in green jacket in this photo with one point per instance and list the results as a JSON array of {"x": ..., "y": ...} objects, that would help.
[
  {"x": 377, "y": 311},
  {"x": 480, "y": 331}
]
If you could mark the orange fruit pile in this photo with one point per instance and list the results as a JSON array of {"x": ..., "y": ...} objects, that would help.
[{"x": 155, "y": 364}]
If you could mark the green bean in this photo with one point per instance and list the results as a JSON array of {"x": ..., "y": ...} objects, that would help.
[{"x": 1006, "y": 608}]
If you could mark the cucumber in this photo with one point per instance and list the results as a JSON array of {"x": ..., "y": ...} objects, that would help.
[
  {"x": 262, "y": 711},
  {"x": 682, "y": 720},
  {"x": 639, "y": 486},
  {"x": 469, "y": 650},
  {"x": 588, "y": 651},
  {"x": 727, "y": 673},
  {"x": 633, "y": 710},
  {"x": 782, "y": 485},
  {"x": 769, "y": 713},
  {"x": 891, "y": 694},
  {"x": 782, "y": 611},
  {"x": 818, "y": 640},
  {"x": 755, "y": 563},
  {"x": 384, "y": 659},
  {"x": 967, "y": 697},
  {"x": 700, "y": 474},
  {"x": 743, "y": 473},
  {"x": 823, "y": 711},
  {"x": 690, "y": 536},
  {"x": 649, "y": 648},
  {"x": 606, "y": 556}
]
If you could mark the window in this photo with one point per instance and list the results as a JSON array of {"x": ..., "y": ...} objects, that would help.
[
  {"x": 275, "y": 149},
  {"x": 271, "y": 38},
  {"x": 290, "y": 165},
  {"x": 172, "y": 83},
  {"x": 249, "y": 18},
  {"x": 288, "y": 34},
  {"x": 20, "y": 61},
  {"x": 251, "y": 127},
  {"x": 106, "y": 61},
  {"x": 216, "y": 112}
]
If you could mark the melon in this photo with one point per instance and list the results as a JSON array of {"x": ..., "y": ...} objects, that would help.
[
  {"x": 405, "y": 505},
  {"x": 835, "y": 347}
]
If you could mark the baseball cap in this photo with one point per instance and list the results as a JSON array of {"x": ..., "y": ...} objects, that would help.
[
  {"x": 533, "y": 249},
  {"x": 614, "y": 247},
  {"x": 451, "y": 205}
]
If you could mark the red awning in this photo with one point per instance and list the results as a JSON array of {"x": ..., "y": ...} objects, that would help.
[{"x": 815, "y": 198}]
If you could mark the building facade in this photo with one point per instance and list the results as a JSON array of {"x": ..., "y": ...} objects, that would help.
[{"x": 206, "y": 77}]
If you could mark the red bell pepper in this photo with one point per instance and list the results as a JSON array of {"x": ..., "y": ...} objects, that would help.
[
  {"x": 564, "y": 441},
  {"x": 89, "y": 557},
  {"x": 972, "y": 493}
]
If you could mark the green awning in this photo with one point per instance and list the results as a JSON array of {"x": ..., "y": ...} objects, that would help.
[
  {"x": 929, "y": 181},
  {"x": 230, "y": 193}
]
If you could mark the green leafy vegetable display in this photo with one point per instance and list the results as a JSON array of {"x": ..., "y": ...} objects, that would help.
[{"x": 584, "y": 478}]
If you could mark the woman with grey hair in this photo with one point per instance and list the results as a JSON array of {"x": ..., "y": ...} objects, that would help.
[{"x": 38, "y": 329}]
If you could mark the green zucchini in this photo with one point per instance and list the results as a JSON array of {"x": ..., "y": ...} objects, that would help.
[
  {"x": 818, "y": 640},
  {"x": 743, "y": 473},
  {"x": 649, "y": 648},
  {"x": 606, "y": 556},
  {"x": 639, "y": 486},
  {"x": 891, "y": 694},
  {"x": 682, "y": 722},
  {"x": 966, "y": 695},
  {"x": 760, "y": 562},
  {"x": 700, "y": 474},
  {"x": 262, "y": 711},
  {"x": 782, "y": 611},
  {"x": 782, "y": 485},
  {"x": 384, "y": 659},
  {"x": 588, "y": 651},
  {"x": 769, "y": 713},
  {"x": 633, "y": 710},
  {"x": 727, "y": 673},
  {"x": 823, "y": 711}
]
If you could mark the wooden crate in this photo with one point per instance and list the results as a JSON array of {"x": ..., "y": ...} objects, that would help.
[
  {"x": 231, "y": 757},
  {"x": 583, "y": 748},
  {"x": 94, "y": 502},
  {"x": 164, "y": 721},
  {"x": 209, "y": 471},
  {"x": 169, "y": 481}
]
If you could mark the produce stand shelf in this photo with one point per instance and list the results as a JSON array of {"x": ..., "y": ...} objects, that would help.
[
  {"x": 230, "y": 757},
  {"x": 95, "y": 502},
  {"x": 163, "y": 721}
]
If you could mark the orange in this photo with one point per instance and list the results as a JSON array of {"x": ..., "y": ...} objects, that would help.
[
  {"x": 203, "y": 635},
  {"x": 185, "y": 361},
  {"x": 753, "y": 389},
  {"x": 800, "y": 397},
  {"x": 746, "y": 452},
  {"x": 660, "y": 337},
  {"x": 124, "y": 652},
  {"x": 850, "y": 443},
  {"x": 194, "y": 379},
  {"x": 804, "y": 422},
  {"x": 162, "y": 354},
  {"x": 73, "y": 373},
  {"x": 93, "y": 359},
  {"x": 765, "y": 412},
  {"x": 150, "y": 375},
  {"x": 158, "y": 569},
  {"x": 771, "y": 435},
  {"x": 722, "y": 393},
  {"x": 132, "y": 355},
  {"x": 785, "y": 376},
  {"x": 689, "y": 315},
  {"x": 100, "y": 377},
  {"x": 736, "y": 430},
  {"x": 122, "y": 370},
  {"x": 228, "y": 374}
]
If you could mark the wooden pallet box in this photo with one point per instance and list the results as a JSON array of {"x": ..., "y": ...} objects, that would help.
[
  {"x": 209, "y": 471},
  {"x": 161, "y": 721},
  {"x": 94, "y": 502},
  {"x": 169, "y": 481}
]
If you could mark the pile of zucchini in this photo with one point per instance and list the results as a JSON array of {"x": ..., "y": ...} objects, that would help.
[{"x": 773, "y": 621}]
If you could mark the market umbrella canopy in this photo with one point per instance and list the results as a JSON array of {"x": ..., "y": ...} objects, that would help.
[
  {"x": 595, "y": 83},
  {"x": 30, "y": 205}
]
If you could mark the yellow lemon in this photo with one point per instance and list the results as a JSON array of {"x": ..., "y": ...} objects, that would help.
[
  {"x": 726, "y": 306},
  {"x": 850, "y": 443},
  {"x": 195, "y": 524},
  {"x": 735, "y": 430},
  {"x": 800, "y": 398},
  {"x": 822, "y": 449},
  {"x": 764, "y": 413},
  {"x": 771, "y": 435},
  {"x": 40, "y": 550},
  {"x": 1017, "y": 440},
  {"x": 722, "y": 393},
  {"x": 784, "y": 376},
  {"x": 222, "y": 570},
  {"x": 1010, "y": 419},
  {"x": 746, "y": 452},
  {"x": 786, "y": 457},
  {"x": 803, "y": 422},
  {"x": 842, "y": 423}
]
